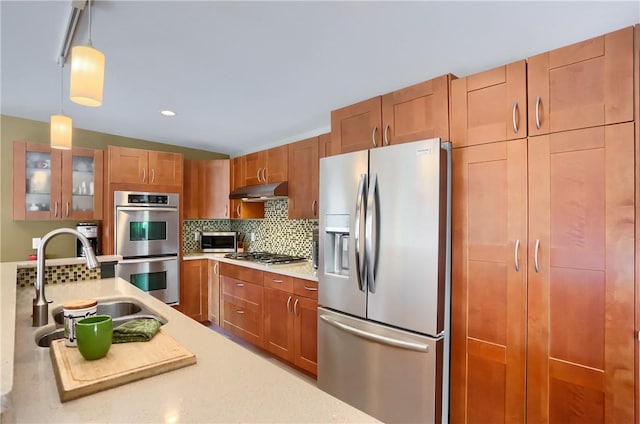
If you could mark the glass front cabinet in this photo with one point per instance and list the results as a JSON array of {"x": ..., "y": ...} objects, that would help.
[{"x": 50, "y": 184}]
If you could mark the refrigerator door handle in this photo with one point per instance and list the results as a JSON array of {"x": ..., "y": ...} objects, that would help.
[
  {"x": 370, "y": 247},
  {"x": 402, "y": 344},
  {"x": 356, "y": 232}
]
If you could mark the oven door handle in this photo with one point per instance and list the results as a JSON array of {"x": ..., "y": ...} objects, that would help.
[
  {"x": 144, "y": 208},
  {"x": 144, "y": 260}
]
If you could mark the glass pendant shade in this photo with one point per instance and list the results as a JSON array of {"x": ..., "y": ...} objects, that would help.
[
  {"x": 87, "y": 76},
  {"x": 61, "y": 127}
]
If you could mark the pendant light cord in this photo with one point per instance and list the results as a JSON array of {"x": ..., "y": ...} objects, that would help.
[
  {"x": 90, "y": 1},
  {"x": 61, "y": 86}
]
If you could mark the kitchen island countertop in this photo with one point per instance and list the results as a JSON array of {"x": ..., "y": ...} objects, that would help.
[{"x": 228, "y": 384}]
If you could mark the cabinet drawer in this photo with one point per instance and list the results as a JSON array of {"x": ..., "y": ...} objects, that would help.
[
  {"x": 278, "y": 281},
  {"x": 247, "y": 292},
  {"x": 241, "y": 273},
  {"x": 242, "y": 321},
  {"x": 305, "y": 288}
]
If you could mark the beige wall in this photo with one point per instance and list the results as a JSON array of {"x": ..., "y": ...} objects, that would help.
[{"x": 15, "y": 236}]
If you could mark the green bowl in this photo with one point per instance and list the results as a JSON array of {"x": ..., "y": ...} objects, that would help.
[{"x": 94, "y": 336}]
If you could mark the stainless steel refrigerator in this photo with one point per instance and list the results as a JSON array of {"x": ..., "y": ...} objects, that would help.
[{"x": 384, "y": 273}]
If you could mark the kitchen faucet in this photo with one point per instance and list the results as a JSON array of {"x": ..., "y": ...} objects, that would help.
[{"x": 40, "y": 304}]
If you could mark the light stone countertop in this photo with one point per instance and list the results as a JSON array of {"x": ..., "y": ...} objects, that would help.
[
  {"x": 229, "y": 383},
  {"x": 68, "y": 261},
  {"x": 302, "y": 270}
]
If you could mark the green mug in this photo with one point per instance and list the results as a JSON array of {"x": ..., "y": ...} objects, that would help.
[{"x": 94, "y": 336}]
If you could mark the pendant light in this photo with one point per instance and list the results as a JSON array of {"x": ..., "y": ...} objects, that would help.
[
  {"x": 61, "y": 126},
  {"x": 87, "y": 73}
]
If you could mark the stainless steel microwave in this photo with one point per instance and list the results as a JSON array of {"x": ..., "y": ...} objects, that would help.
[{"x": 218, "y": 241}]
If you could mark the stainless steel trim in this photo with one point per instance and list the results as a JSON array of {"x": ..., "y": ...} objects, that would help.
[
  {"x": 295, "y": 307},
  {"x": 310, "y": 288},
  {"x": 513, "y": 117},
  {"x": 535, "y": 257},
  {"x": 144, "y": 175},
  {"x": 153, "y": 174},
  {"x": 147, "y": 259},
  {"x": 538, "y": 99},
  {"x": 148, "y": 208},
  {"x": 386, "y": 134},
  {"x": 368, "y": 235},
  {"x": 376, "y": 337},
  {"x": 373, "y": 136},
  {"x": 289, "y": 304},
  {"x": 515, "y": 255},
  {"x": 356, "y": 232}
]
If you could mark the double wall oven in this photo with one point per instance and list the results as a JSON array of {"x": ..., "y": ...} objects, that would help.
[{"x": 147, "y": 237}]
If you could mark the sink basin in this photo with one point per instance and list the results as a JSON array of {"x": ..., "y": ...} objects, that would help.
[
  {"x": 117, "y": 308},
  {"x": 121, "y": 311}
]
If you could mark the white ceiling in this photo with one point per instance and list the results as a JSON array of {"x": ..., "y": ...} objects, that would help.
[{"x": 244, "y": 76}]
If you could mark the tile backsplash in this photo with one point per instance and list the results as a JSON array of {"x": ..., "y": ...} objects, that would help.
[
  {"x": 275, "y": 233},
  {"x": 58, "y": 274}
]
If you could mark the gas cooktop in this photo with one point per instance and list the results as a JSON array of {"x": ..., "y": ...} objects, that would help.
[{"x": 265, "y": 257}]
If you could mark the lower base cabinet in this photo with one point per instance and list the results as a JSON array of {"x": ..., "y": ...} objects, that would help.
[
  {"x": 194, "y": 289},
  {"x": 241, "y": 309},
  {"x": 214, "y": 292},
  {"x": 290, "y": 320}
]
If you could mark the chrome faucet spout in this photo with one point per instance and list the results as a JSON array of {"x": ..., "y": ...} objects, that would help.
[{"x": 40, "y": 303}]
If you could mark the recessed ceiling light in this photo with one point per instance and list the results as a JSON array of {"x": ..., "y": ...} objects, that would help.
[{"x": 168, "y": 113}]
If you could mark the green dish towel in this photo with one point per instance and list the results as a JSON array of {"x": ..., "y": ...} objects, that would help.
[{"x": 137, "y": 330}]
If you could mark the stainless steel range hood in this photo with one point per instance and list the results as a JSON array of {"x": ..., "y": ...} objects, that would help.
[{"x": 262, "y": 192}]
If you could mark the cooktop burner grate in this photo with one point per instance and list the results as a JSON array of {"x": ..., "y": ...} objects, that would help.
[{"x": 265, "y": 257}]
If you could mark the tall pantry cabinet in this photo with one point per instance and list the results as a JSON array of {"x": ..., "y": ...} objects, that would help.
[{"x": 543, "y": 244}]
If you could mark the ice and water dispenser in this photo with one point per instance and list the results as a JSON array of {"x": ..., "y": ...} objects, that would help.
[{"x": 336, "y": 244}]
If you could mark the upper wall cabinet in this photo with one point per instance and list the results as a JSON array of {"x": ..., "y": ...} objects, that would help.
[
  {"x": 206, "y": 189},
  {"x": 490, "y": 106},
  {"x": 413, "y": 113},
  {"x": 266, "y": 166},
  {"x": 582, "y": 85},
  {"x": 51, "y": 184},
  {"x": 240, "y": 209},
  {"x": 303, "y": 179},
  {"x": 135, "y": 166}
]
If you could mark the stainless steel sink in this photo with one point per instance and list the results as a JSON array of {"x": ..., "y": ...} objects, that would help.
[{"x": 121, "y": 311}]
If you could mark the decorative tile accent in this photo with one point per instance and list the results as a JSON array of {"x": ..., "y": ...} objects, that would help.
[
  {"x": 57, "y": 274},
  {"x": 275, "y": 233}
]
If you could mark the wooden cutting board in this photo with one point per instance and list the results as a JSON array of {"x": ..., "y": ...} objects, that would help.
[{"x": 125, "y": 362}]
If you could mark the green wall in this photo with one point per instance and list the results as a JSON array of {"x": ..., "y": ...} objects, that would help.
[{"x": 15, "y": 236}]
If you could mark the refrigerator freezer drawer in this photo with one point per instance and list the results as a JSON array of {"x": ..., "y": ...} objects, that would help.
[{"x": 393, "y": 375}]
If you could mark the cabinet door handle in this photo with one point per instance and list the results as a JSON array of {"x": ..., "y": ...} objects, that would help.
[
  {"x": 67, "y": 208},
  {"x": 240, "y": 284},
  {"x": 373, "y": 136},
  {"x": 226, "y": 210},
  {"x": 144, "y": 175},
  {"x": 258, "y": 174},
  {"x": 153, "y": 174},
  {"x": 314, "y": 207},
  {"x": 310, "y": 288},
  {"x": 513, "y": 117},
  {"x": 295, "y": 307},
  {"x": 277, "y": 281},
  {"x": 239, "y": 311},
  {"x": 515, "y": 255},
  {"x": 289, "y": 304},
  {"x": 238, "y": 210},
  {"x": 55, "y": 210},
  {"x": 264, "y": 175},
  {"x": 538, "y": 100},
  {"x": 215, "y": 268},
  {"x": 386, "y": 135},
  {"x": 535, "y": 256}
]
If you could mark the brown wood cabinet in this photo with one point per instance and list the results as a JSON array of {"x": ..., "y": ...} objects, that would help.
[
  {"x": 50, "y": 184},
  {"x": 136, "y": 166},
  {"x": 206, "y": 189},
  {"x": 583, "y": 85},
  {"x": 490, "y": 106},
  {"x": 324, "y": 145},
  {"x": 266, "y": 166},
  {"x": 413, "y": 113},
  {"x": 556, "y": 301},
  {"x": 240, "y": 209},
  {"x": 195, "y": 289},
  {"x": 304, "y": 179},
  {"x": 290, "y": 326},
  {"x": 241, "y": 304},
  {"x": 214, "y": 291}
]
